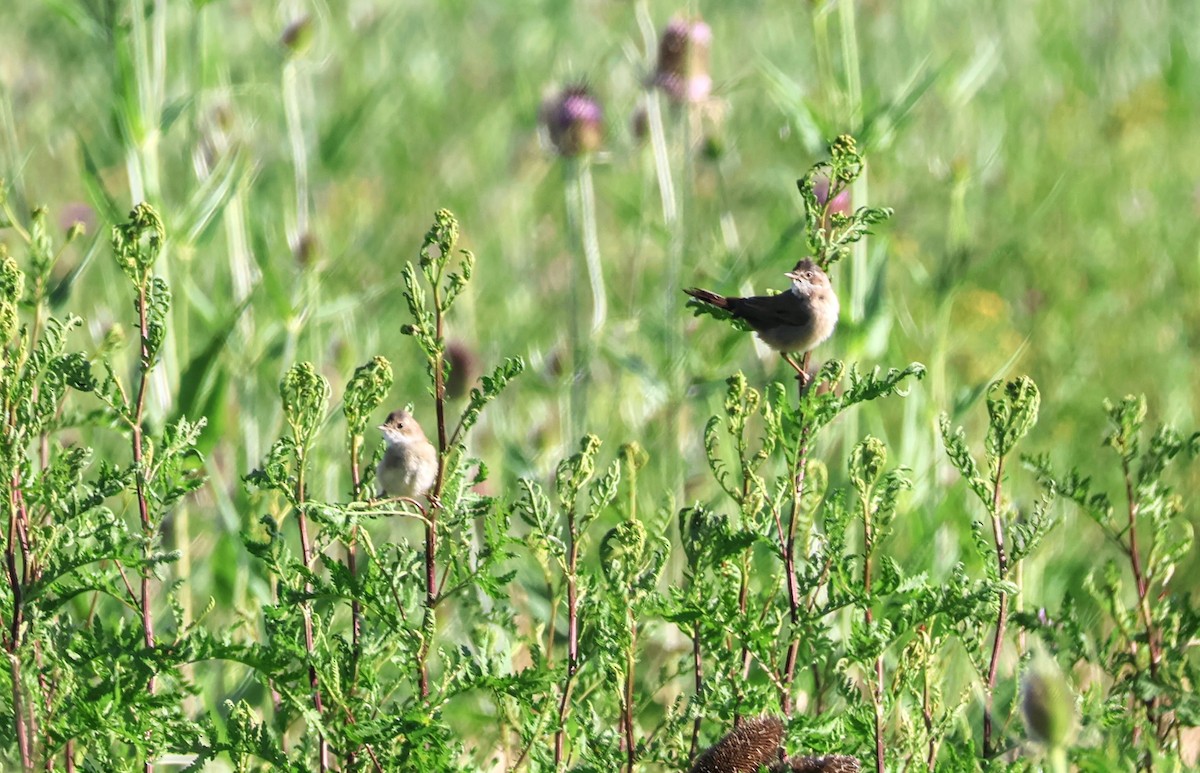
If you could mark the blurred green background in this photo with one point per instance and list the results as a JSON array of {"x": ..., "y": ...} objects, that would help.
[{"x": 1040, "y": 157}]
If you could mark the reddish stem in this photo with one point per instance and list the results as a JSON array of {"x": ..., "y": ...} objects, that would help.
[
  {"x": 1001, "y": 616},
  {"x": 138, "y": 442}
]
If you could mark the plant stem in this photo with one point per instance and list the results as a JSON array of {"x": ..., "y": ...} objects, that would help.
[
  {"x": 581, "y": 219},
  {"x": 627, "y": 696},
  {"x": 591, "y": 243},
  {"x": 1001, "y": 616},
  {"x": 572, "y": 634},
  {"x": 927, "y": 700},
  {"x": 1143, "y": 590},
  {"x": 138, "y": 441},
  {"x": 352, "y": 566},
  {"x": 799, "y": 472},
  {"x": 306, "y": 607},
  {"x": 743, "y": 670},
  {"x": 19, "y": 712},
  {"x": 435, "y": 506},
  {"x": 868, "y": 617},
  {"x": 698, "y": 671}
]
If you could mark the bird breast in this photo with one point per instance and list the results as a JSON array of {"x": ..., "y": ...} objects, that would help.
[
  {"x": 804, "y": 337},
  {"x": 405, "y": 471}
]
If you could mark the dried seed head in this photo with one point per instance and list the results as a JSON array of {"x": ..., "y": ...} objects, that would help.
[
  {"x": 1047, "y": 703},
  {"x": 682, "y": 70},
  {"x": 574, "y": 121},
  {"x": 750, "y": 745},
  {"x": 836, "y": 763}
]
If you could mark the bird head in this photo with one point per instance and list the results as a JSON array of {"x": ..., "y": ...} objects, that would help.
[
  {"x": 401, "y": 427},
  {"x": 807, "y": 277}
]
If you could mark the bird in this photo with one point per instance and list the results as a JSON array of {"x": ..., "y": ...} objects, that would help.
[
  {"x": 410, "y": 462},
  {"x": 793, "y": 321}
]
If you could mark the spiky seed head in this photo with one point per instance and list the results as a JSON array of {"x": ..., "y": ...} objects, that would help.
[
  {"x": 748, "y": 746},
  {"x": 834, "y": 763}
]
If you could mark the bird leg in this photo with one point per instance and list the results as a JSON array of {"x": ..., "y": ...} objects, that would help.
[{"x": 801, "y": 374}]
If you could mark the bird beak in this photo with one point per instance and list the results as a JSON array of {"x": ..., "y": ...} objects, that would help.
[
  {"x": 382, "y": 428},
  {"x": 792, "y": 275}
]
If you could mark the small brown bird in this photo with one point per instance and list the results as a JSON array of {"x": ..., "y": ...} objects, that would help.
[
  {"x": 793, "y": 321},
  {"x": 409, "y": 465}
]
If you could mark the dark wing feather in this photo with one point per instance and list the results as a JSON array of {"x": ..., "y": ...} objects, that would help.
[{"x": 769, "y": 311}]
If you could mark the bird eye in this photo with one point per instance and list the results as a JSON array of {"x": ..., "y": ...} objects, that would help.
[{"x": 808, "y": 275}]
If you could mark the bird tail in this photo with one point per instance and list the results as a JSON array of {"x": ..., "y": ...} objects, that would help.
[{"x": 720, "y": 301}]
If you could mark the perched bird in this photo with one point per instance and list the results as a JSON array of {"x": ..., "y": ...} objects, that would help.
[
  {"x": 793, "y": 321},
  {"x": 409, "y": 465}
]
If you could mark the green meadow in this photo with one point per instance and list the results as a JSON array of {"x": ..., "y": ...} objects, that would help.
[{"x": 1039, "y": 163}]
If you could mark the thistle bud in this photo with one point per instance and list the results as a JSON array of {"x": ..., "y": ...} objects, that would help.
[
  {"x": 682, "y": 70},
  {"x": 464, "y": 369},
  {"x": 297, "y": 36},
  {"x": 1048, "y": 705},
  {"x": 840, "y": 204},
  {"x": 639, "y": 124},
  {"x": 745, "y": 749},
  {"x": 574, "y": 121}
]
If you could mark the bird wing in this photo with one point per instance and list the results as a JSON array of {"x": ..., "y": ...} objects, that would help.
[{"x": 768, "y": 311}]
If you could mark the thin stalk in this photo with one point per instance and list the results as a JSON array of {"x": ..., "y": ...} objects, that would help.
[
  {"x": 927, "y": 703},
  {"x": 591, "y": 243},
  {"x": 1143, "y": 589},
  {"x": 572, "y": 635},
  {"x": 352, "y": 565},
  {"x": 627, "y": 696},
  {"x": 662, "y": 156},
  {"x": 306, "y": 553},
  {"x": 1001, "y": 616},
  {"x": 577, "y": 394},
  {"x": 22, "y": 723},
  {"x": 743, "y": 670},
  {"x": 698, "y": 671},
  {"x": 139, "y": 466},
  {"x": 799, "y": 472},
  {"x": 435, "y": 506},
  {"x": 142, "y": 115},
  {"x": 552, "y": 627},
  {"x": 868, "y": 618},
  {"x": 19, "y": 713}
]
